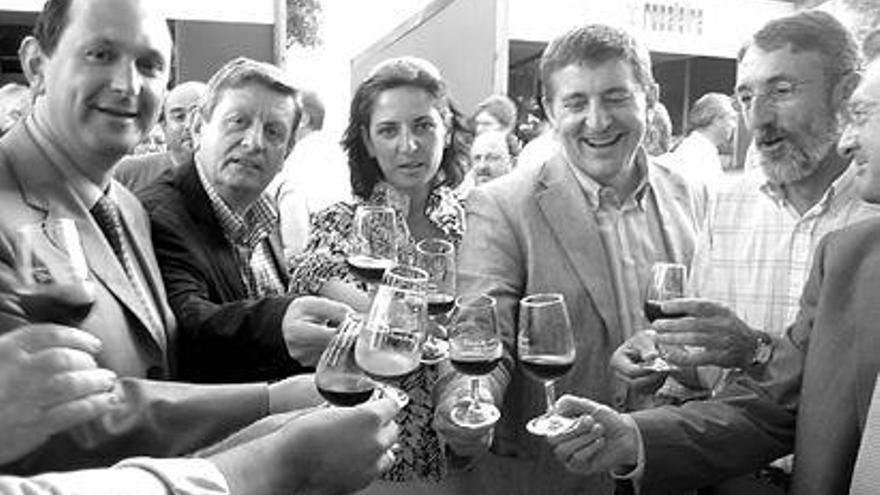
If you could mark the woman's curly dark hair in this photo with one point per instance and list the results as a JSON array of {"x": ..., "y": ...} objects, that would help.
[{"x": 395, "y": 73}]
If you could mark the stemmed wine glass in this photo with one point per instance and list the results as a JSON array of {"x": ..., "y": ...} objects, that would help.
[
  {"x": 545, "y": 345},
  {"x": 337, "y": 377},
  {"x": 374, "y": 248},
  {"x": 667, "y": 282},
  {"x": 55, "y": 283},
  {"x": 474, "y": 349},
  {"x": 437, "y": 257},
  {"x": 390, "y": 341}
]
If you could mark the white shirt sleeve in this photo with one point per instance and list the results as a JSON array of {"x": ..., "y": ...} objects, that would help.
[{"x": 137, "y": 476}]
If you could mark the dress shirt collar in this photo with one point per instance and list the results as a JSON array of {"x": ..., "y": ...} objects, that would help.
[
  {"x": 246, "y": 229},
  {"x": 87, "y": 191},
  {"x": 599, "y": 196}
]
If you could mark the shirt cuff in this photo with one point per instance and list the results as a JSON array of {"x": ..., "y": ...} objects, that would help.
[
  {"x": 183, "y": 476},
  {"x": 635, "y": 474}
]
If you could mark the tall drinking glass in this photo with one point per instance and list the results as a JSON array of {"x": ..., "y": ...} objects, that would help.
[
  {"x": 667, "y": 282},
  {"x": 390, "y": 342},
  {"x": 545, "y": 345},
  {"x": 55, "y": 283},
  {"x": 374, "y": 248},
  {"x": 475, "y": 350},
  {"x": 437, "y": 258}
]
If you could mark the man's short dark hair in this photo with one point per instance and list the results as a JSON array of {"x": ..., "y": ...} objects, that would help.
[
  {"x": 811, "y": 31},
  {"x": 595, "y": 44},
  {"x": 241, "y": 71},
  {"x": 51, "y": 22}
]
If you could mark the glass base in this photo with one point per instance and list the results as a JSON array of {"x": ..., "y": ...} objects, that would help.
[
  {"x": 434, "y": 350},
  {"x": 548, "y": 425},
  {"x": 467, "y": 414}
]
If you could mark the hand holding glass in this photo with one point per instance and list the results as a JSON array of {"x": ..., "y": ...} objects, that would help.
[
  {"x": 55, "y": 284},
  {"x": 474, "y": 349},
  {"x": 545, "y": 345}
]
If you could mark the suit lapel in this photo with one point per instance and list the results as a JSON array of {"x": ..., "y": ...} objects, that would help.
[
  {"x": 571, "y": 219},
  {"x": 45, "y": 189},
  {"x": 676, "y": 225}
]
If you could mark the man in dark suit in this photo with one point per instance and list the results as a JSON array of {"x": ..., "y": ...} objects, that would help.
[
  {"x": 813, "y": 395},
  {"x": 98, "y": 68},
  {"x": 217, "y": 234},
  {"x": 588, "y": 223},
  {"x": 138, "y": 171}
]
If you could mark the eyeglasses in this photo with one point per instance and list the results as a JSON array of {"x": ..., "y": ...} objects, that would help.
[{"x": 777, "y": 93}]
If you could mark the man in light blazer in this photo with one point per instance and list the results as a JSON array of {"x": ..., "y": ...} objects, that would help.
[
  {"x": 588, "y": 223},
  {"x": 99, "y": 68},
  {"x": 814, "y": 394}
]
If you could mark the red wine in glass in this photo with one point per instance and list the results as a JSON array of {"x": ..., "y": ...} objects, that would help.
[
  {"x": 345, "y": 390},
  {"x": 440, "y": 304},
  {"x": 547, "y": 367},
  {"x": 64, "y": 304},
  {"x": 368, "y": 268},
  {"x": 475, "y": 360},
  {"x": 653, "y": 312}
]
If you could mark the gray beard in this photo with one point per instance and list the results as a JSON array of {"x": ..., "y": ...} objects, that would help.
[{"x": 800, "y": 161}]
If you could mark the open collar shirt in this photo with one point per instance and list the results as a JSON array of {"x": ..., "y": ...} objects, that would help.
[
  {"x": 632, "y": 237},
  {"x": 249, "y": 235},
  {"x": 756, "y": 252}
]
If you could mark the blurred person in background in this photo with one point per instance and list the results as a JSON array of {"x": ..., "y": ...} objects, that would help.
[
  {"x": 314, "y": 176},
  {"x": 658, "y": 140},
  {"x": 142, "y": 169},
  {"x": 407, "y": 149},
  {"x": 15, "y": 103},
  {"x": 490, "y": 158},
  {"x": 498, "y": 113},
  {"x": 712, "y": 121}
]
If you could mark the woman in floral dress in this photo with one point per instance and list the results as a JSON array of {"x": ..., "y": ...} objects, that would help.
[{"x": 407, "y": 149}]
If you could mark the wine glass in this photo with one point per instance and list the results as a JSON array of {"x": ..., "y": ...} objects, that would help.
[
  {"x": 667, "y": 281},
  {"x": 337, "y": 377},
  {"x": 390, "y": 341},
  {"x": 374, "y": 248},
  {"x": 437, "y": 257},
  {"x": 55, "y": 283},
  {"x": 474, "y": 349},
  {"x": 545, "y": 345}
]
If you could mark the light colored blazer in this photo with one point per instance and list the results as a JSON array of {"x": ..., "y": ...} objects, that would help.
[
  {"x": 158, "y": 418},
  {"x": 533, "y": 231},
  {"x": 814, "y": 395}
]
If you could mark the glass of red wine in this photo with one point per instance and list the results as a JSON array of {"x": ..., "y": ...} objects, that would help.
[
  {"x": 546, "y": 351},
  {"x": 666, "y": 282},
  {"x": 55, "y": 283},
  {"x": 437, "y": 258},
  {"x": 374, "y": 247},
  {"x": 475, "y": 350},
  {"x": 390, "y": 341},
  {"x": 338, "y": 378}
]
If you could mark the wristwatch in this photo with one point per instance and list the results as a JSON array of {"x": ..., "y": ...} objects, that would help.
[{"x": 763, "y": 349}]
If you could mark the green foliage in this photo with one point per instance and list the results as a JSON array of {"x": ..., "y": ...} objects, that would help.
[{"x": 304, "y": 19}]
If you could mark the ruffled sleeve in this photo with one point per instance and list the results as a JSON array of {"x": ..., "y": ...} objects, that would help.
[{"x": 323, "y": 258}]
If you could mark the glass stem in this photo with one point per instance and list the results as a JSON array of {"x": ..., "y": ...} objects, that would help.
[
  {"x": 550, "y": 394},
  {"x": 475, "y": 393}
]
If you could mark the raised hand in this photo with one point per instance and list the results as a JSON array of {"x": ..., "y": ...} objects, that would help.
[
  {"x": 49, "y": 382},
  {"x": 713, "y": 334},
  {"x": 308, "y": 326},
  {"x": 631, "y": 362},
  {"x": 601, "y": 440}
]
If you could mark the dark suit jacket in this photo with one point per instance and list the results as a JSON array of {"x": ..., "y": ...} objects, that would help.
[
  {"x": 814, "y": 395},
  {"x": 533, "y": 231},
  {"x": 139, "y": 171},
  {"x": 224, "y": 335},
  {"x": 158, "y": 418}
]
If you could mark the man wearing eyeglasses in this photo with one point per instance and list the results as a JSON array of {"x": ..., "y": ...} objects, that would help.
[{"x": 752, "y": 261}]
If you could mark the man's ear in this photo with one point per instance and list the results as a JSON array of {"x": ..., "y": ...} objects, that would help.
[
  {"x": 548, "y": 111},
  {"x": 33, "y": 63},
  {"x": 198, "y": 121},
  {"x": 844, "y": 89}
]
